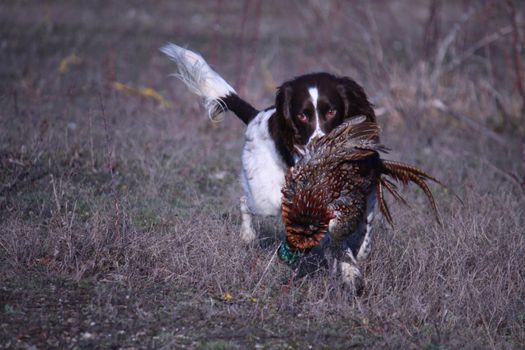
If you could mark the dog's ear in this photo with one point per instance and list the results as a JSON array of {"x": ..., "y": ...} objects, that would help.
[
  {"x": 283, "y": 101},
  {"x": 282, "y": 128},
  {"x": 355, "y": 100}
]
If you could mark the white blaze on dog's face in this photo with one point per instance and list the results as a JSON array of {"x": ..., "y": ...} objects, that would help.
[
  {"x": 314, "y": 95},
  {"x": 313, "y": 105}
]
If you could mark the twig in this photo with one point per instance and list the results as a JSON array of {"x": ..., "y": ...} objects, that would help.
[
  {"x": 111, "y": 162},
  {"x": 253, "y": 50},
  {"x": 240, "y": 45},
  {"x": 265, "y": 270},
  {"x": 505, "y": 174},
  {"x": 523, "y": 163},
  {"x": 439, "y": 105},
  {"x": 447, "y": 42},
  {"x": 106, "y": 129},
  {"x": 496, "y": 95},
  {"x": 516, "y": 55},
  {"x": 91, "y": 147},
  {"x": 485, "y": 41},
  {"x": 55, "y": 194},
  {"x": 216, "y": 31},
  {"x": 509, "y": 176},
  {"x": 72, "y": 216},
  {"x": 21, "y": 179},
  {"x": 375, "y": 36},
  {"x": 431, "y": 31}
]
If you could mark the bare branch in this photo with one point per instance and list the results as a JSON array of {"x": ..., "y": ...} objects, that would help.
[
  {"x": 432, "y": 28},
  {"x": 447, "y": 42},
  {"x": 485, "y": 41},
  {"x": 518, "y": 69},
  {"x": 439, "y": 105}
]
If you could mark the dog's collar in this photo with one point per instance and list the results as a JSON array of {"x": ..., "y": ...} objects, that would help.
[{"x": 287, "y": 255}]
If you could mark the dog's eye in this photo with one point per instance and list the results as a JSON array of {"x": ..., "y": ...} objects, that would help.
[
  {"x": 331, "y": 113},
  {"x": 302, "y": 118}
]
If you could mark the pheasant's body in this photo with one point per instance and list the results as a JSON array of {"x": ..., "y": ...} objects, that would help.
[
  {"x": 322, "y": 192},
  {"x": 330, "y": 194}
]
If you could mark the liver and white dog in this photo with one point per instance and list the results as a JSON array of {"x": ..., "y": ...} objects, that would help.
[{"x": 306, "y": 107}]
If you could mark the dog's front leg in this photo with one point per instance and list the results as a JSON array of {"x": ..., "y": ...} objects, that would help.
[
  {"x": 366, "y": 244},
  {"x": 247, "y": 231}
]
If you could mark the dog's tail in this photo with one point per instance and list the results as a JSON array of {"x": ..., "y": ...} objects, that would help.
[{"x": 218, "y": 95}]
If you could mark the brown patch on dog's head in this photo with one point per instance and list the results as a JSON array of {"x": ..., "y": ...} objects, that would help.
[{"x": 314, "y": 104}]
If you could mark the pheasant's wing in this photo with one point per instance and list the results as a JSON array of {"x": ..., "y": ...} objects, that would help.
[
  {"x": 349, "y": 211},
  {"x": 351, "y": 135},
  {"x": 347, "y": 142}
]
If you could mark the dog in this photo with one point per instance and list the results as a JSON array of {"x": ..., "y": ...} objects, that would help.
[{"x": 306, "y": 107}]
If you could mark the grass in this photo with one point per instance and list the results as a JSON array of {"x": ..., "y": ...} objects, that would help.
[{"x": 119, "y": 216}]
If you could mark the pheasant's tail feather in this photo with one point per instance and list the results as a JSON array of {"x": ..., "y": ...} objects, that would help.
[
  {"x": 306, "y": 217},
  {"x": 392, "y": 188},
  {"x": 402, "y": 171},
  {"x": 407, "y": 173},
  {"x": 382, "y": 203}
]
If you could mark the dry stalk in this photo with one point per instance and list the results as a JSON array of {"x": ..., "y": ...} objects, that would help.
[
  {"x": 439, "y": 105},
  {"x": 447, "y": 42},
  {"x": 517, "y": 59}
]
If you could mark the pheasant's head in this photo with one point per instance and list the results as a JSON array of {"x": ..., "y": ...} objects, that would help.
[{"x": 306, "y": 218}]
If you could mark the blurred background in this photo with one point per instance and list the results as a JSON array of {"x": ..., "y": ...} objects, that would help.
[{"x": 119, "y": 198}]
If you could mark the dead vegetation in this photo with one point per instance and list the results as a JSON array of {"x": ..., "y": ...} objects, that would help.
[{"x": 118, "y": 205}]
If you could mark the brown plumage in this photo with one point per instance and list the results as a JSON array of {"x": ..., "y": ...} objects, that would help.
[{"x": 328, "y": 189}]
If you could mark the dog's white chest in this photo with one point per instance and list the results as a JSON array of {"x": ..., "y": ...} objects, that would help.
[{"x": 263, "y": 172}]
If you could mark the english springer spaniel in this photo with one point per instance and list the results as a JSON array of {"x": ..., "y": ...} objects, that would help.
[{"x": 306, "y": 107}]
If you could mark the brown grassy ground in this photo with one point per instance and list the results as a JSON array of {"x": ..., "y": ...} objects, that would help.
[{"x": 119, "y": 219}]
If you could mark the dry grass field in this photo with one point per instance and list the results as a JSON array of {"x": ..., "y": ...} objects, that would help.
[{"x": 119, "y": 211}]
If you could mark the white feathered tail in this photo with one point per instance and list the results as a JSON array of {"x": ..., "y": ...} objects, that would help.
[{"x": 200, "y": 79}]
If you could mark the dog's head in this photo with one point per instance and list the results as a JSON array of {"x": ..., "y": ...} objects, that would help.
[{"x": 314, "y": 104}]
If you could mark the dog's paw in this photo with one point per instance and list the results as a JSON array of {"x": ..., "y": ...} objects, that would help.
[
  {"x": 310, "y": 264},
  {"x": 247, "y": 231},
  {"x": 247, "y": 234},
  {"x": 352, "y": 278}
]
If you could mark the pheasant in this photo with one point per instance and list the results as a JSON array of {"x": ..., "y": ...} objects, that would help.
[{"x": 330, "y": 195}]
